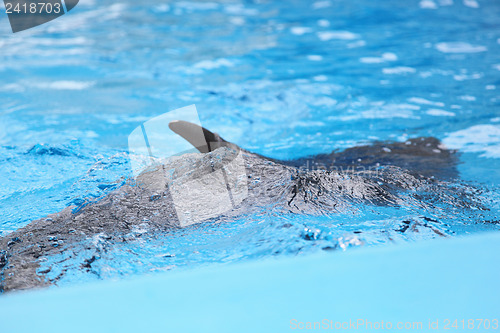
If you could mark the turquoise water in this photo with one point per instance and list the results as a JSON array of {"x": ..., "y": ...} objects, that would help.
[
  {"x": 417, "y": 284},
  {"x": 283, "y": 79}
]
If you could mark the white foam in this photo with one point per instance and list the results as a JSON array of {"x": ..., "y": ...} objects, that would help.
[
  {"x": 237, "y": 20},
  {"x": 162, "y": 8},
  {"x": 442, "y": 113},
  {"x": 471, "y": 3},
  {"x": 399, "y": 70},
  {"x": 483, "y": 139},
  {"x": 321, "y": 4},
  {"x": 12, "y": 87},
  {"x": 324, "y": 23},
  {"x": 460, "y": 47},
  {"x": 324, "y": 101},
  {"x": 463, "y": 77},
  {"x": 424, "y": 101},
  {"x": 212, "y": 64},
  {"x": 497, "y": 67},
  {"x": 342, "y": 35},
  {"x": 490, "y": 87},
  {"x": 409, "y": 106},
  {"x": 371, "y": 60},
  {"x": 425, "y": 75},
  {"x": 306, "y": 124},
  {"x": 358, "y": 43},
  {"x": 320, "y": 78},
  {"x": 380, "y": 110},
  {"x": 468, "y": 98},
  {"x": 239, "y": 9},
  {"x": 387, "y": 56},
  {"x": 91, "y": 134},
  {"x": 315, "y": 57},
  {"x": 66, "y": 85},
  {"x": 428, "y": 4},
  {"x": 299, "y": 31}
]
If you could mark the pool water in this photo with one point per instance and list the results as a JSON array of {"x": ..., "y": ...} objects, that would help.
[{"x": 285, "y": 79}]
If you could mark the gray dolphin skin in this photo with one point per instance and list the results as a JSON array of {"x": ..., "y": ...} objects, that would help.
[{"x": 383, "y": 173}]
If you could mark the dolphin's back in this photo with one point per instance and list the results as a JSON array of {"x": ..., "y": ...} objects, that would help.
[
  {"x": 424, "y": 156},
  {"x": 145, "y": 205}
]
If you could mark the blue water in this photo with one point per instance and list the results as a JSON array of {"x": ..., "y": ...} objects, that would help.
[{"x": 285, "y": 79}]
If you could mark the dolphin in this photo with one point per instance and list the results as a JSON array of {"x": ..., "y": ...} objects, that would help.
[{"x": 380, "y": 173}]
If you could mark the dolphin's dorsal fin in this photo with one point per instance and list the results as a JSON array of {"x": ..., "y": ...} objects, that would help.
[{"x": 201, "y": 138}]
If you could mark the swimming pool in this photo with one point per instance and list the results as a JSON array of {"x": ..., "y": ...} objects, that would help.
[{"x": 283, "y": 79}]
